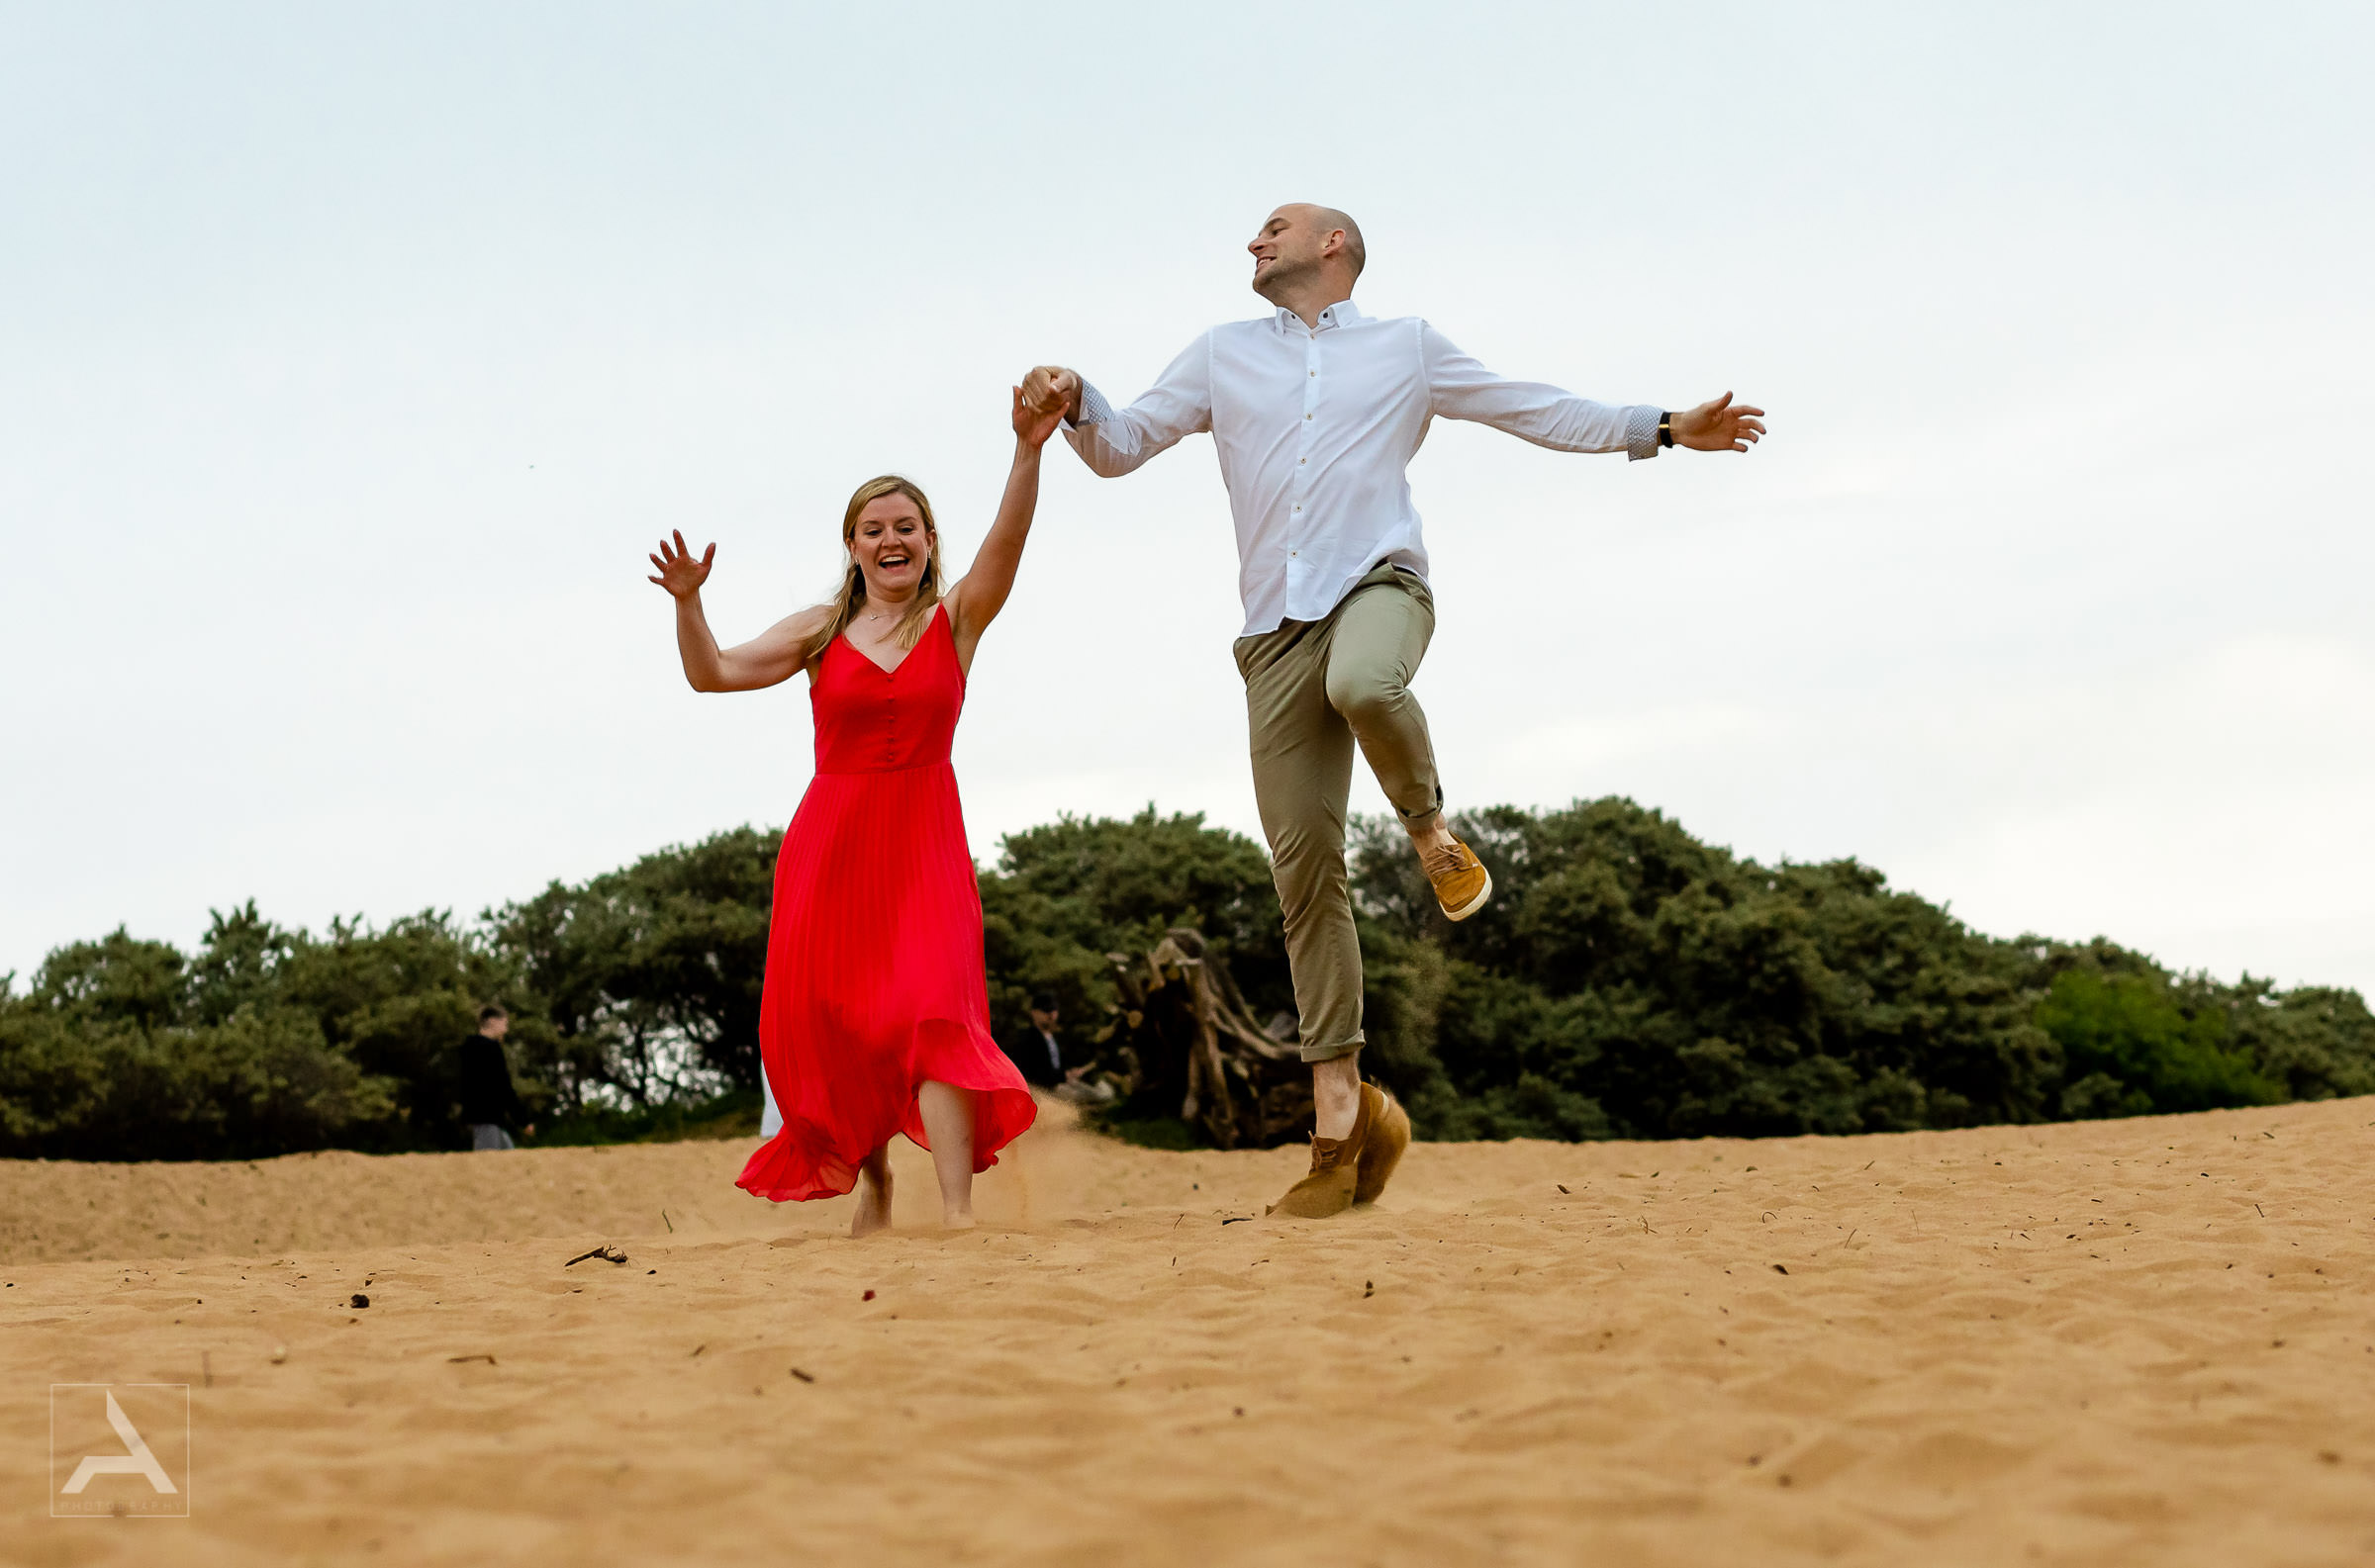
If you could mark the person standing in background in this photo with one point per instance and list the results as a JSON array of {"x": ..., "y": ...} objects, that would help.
[
  {"x": 1038, "y": 1053},
  {"x": 490, "y": 1103},
  {"x": 1035, "y": 1050}
]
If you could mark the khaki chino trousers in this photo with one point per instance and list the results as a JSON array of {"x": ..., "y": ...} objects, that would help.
[{"x": 1312, "y": 689}]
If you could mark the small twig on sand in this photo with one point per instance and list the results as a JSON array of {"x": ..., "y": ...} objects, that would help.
[
  {"x": 456, "y": 1360},
  {"x": 605, "y": 1251}
]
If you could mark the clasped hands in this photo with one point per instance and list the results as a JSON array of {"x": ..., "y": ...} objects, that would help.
[
  {"x": 1035, "y": 420},
  {"x": 1051, "y": 389}
]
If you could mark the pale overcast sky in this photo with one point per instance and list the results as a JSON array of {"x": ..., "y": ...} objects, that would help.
[{"x": 353, "y": 357}]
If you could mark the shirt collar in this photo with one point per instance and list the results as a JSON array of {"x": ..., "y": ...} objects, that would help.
[{"x": 1344, "y": 312}]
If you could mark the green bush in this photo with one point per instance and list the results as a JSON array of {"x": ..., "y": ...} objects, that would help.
[
  {"x": 109, "y": 1058},
  {"x": 2128, "y": 1049},
  {"x": 644, "y": 983},
  {"x": 1627, "y": 981},
  {"x": 1630, "y": 981},
  {"x": 1064, "y": 896}
]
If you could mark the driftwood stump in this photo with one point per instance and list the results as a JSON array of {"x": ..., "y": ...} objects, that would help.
[{"x": 1182, "y": 1036}]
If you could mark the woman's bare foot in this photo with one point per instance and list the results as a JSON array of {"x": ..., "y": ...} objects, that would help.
[{"x": 873, "y": 1195}]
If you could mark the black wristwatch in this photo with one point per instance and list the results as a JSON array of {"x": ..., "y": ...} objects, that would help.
[{"x": 1666, "y": 429}]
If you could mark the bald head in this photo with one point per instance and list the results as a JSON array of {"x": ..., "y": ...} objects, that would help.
[
  {"x": 1332, "y": 219},
  {"x": 1307, "y": 256}
]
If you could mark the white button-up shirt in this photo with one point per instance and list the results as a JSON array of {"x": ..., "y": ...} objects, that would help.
[{"x": 1315, "y": 428}]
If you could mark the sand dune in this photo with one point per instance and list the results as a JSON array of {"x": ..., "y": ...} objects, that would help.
[{"x": 2143, "y": 1341}]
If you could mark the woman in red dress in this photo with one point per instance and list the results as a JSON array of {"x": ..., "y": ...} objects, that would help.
[{"x": 875, "y": 1018}]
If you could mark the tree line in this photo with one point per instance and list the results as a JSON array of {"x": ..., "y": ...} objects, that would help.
[{"x": 1627, "y": 981}]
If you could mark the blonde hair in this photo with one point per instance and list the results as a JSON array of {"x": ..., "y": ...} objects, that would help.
[{"x": 852, "y": 593}]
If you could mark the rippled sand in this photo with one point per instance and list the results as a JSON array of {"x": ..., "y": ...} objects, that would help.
[{"x": 2144, "y": 1342}]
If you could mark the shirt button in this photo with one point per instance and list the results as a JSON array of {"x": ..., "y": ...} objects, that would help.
[
  {"x": 1315, "y": 372},
  {"x": 1298, "y": 509},
  {"x": 1303, "y": 460},
  {"x": 1307, "y": 416}
]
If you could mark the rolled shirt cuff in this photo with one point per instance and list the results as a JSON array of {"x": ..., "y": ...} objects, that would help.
[
  {"x": 1641, "y": 429},
  {"x": 1095, "y": 409}
]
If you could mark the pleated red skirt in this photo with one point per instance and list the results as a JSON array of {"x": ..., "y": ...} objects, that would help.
[{"x": 874, "y": 980}]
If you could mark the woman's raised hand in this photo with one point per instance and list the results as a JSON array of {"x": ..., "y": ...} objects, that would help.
[
  {"x": 1052, "y": 386},
  {"x": 1031, "y": 427},
  {"x": 680, "y": 573}
]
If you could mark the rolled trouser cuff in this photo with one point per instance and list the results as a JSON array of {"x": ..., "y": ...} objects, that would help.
[{"x": 1343, "y": 1048}]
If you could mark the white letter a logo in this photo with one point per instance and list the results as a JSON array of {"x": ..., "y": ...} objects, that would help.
[{"x": 139, "y": 1461}]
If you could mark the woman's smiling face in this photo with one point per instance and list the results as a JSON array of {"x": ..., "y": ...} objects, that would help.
[{"x": 892, "y": 544}]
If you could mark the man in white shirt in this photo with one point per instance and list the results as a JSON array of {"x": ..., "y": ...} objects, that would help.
[{"x": 1316, "y": 410}]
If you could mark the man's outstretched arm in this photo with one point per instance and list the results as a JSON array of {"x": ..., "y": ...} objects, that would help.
[
  {"x": 1459, "y": 387},
  {"x": 1111, "y": 441}
]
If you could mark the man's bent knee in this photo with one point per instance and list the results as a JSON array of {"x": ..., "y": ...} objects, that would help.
[{"x": 1366, "y": 700}]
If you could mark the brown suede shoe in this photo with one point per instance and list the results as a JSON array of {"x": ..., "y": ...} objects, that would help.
[
  {"x": 1389, "y": 1135},
  {"x": 1335, "y": 1167},
  {"x": 1462, "y": 883}
]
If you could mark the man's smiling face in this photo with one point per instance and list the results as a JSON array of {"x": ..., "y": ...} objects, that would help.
[{"x": 1287, "y": 250}]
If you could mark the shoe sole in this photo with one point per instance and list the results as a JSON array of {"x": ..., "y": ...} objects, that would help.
[
  {"x": 1484, "y": 895},
  {"x": 1389, "y": 1138}
]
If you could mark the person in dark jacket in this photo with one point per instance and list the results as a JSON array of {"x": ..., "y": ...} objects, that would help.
[
  {"x": 1036, "y": 1050},
  {"x": 490, "y": 1104}
]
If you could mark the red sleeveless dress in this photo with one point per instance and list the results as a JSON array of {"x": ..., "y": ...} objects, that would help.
[{"x": 873, "y": 959}]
